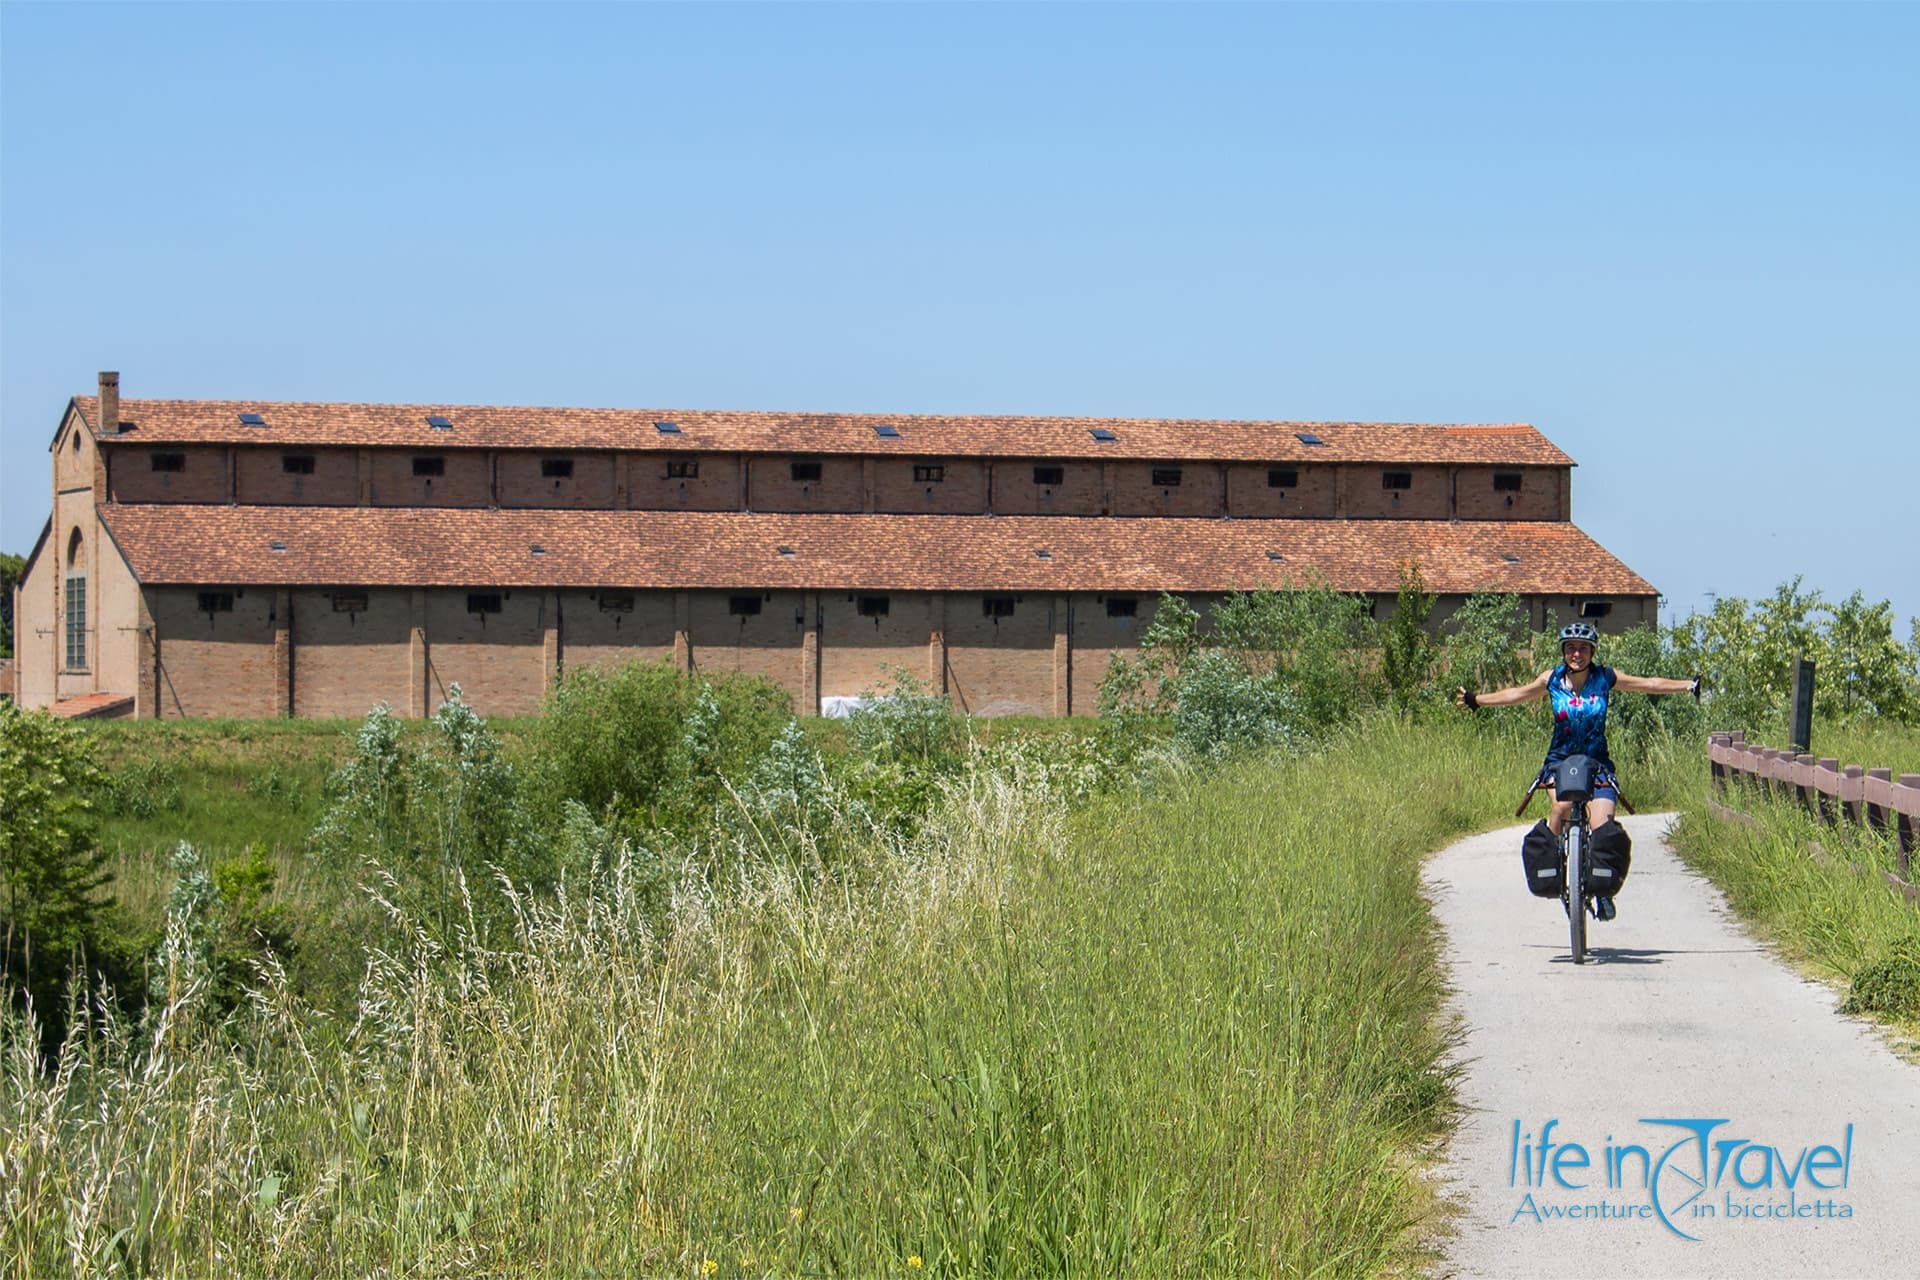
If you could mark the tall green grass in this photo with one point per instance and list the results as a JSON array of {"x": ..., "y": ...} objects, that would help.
[
  {"x": 1191, "y": 1032},
  {"x": 1836, "y": 915}
]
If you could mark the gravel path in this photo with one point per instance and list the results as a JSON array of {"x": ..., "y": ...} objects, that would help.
[{"x": 1677, "y": 1016}]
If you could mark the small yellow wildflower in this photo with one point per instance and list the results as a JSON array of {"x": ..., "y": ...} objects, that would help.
[
  {"x": 708, "y": 1267},
  {"x": 796, "y": 1213},
  {"x": 915, "y": 1262}
]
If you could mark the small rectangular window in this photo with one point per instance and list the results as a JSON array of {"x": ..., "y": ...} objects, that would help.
[
  {"x": 1166, "y": 477},
  {"x": 77, "y": 623},
  {"x": 1049, "y": 476},
  {"x": 297, "y": 464},
  {"x": 556, "y": 468},
  {"x": 744, "y": 606},
  {"x": 483, "y": 602},
  {"x": 1506, "y": 482},
  {"x": 806, "y": 472},
  {"x": 616, "y": 602},
  {"x": 1282, "y": 478},
  {"x": 1396, "y": 479},
  {"x": 874, "y": 606},
  {"x": 1122, "y": 607},
  {"x": 929, "y": 473},
  {"x": 169, "y": 461},
  {"x": 216, "y": 602},
  {"x": 683, "y": 469},
  {"x": 997, "y": 606},
  {"x": 349, "y": 602},
  {"x": 429, "y": 464},
  {"x": 1595, "y": 608}
]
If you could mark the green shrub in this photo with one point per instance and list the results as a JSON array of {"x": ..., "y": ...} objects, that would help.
[
  {"x": 1889, "y": 985},
  {"x": 647, "y": 745},
  {"x": 1223, "y": 709},
  {"x": 53, "y": 876},
  {"x": 907, "y": 723}
]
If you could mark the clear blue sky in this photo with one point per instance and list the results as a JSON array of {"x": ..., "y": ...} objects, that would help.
[{"x": 1684, "y": 241}]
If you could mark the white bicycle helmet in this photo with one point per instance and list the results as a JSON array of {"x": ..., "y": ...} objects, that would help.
[{"x": 1581, "y": 631}]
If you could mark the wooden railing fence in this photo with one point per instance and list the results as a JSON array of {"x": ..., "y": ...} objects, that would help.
[{"x": 1834, "y": 793}]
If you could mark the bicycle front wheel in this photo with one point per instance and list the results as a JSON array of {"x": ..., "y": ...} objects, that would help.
[{"x": 1577, "y": 892}]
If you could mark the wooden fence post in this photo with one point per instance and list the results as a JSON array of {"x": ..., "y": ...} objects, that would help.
[
  {"x": 1852, "y": 791},
  {"x": 1876, "y": 812},
  {"x": 1826, "y": 789},
  {"x": 1908, "y": 810}
]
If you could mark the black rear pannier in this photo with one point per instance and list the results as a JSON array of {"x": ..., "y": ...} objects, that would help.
[
  {"x": 1612, "y": 853},
  {"x": 1540, "y": 852}
]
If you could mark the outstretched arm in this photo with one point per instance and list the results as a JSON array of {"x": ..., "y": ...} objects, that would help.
[
  {"x": 1532, "y": 691},
  {"x": 1654, "y": 684}
]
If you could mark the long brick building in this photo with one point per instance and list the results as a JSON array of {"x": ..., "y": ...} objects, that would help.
[{"x": 214, "y": 558}]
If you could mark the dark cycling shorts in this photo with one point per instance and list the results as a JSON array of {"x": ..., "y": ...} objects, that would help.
[{"x": 1605, "y": 785}]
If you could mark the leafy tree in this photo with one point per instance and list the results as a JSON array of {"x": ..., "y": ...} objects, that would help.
[
  {"x": 53, "y": 873},
  {"x": 1406, "y": 650},
  {"x": 1486, "y": 645},
  {"x": 1865, "y": 671},
  {"x": 11, "y": 569},
  {"x": 1318, "y": 642}
]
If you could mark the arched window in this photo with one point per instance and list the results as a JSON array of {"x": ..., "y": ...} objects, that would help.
[{"x": 76, "y": 612}]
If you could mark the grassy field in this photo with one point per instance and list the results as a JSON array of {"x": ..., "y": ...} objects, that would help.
[{"x": 1190, "y": 1032}]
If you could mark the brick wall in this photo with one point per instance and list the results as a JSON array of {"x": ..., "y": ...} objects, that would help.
[
  {"x": 1538, "y": 497},
  {"x": 764, "y": 644},
  {"x": 1201, "y": 490},
  {"x": 345, "y": 659},
  {"x": 1016, "y": 492},
  {"x": 1364, "y": 495},
  {"x": 115, "y": 609},
  {"x": 1003, "y": 666},
  {"x": 1098, "y": 638},
  {"x": 261, "y": 477},
  {"x": 961, "y": 489},
  {"x": 215, "y": 664},
  {"x": 772, "y": 487},
  {"x": 497, "y": 659},
  {"x": 34, "y": 637},
  {"x": 716, "y": 484},
  {"x": 203, "y": 475},
  {"x": 856, "y": 650},
  {"x": 466, "y": 481},
  {"x": 522, "y": 482},
  {"x": 1252, "y": 493},
  {"x": 593, "y": 636}
]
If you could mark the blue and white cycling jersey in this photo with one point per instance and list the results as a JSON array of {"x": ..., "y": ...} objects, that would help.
[{"x": 1579, "y": 719}]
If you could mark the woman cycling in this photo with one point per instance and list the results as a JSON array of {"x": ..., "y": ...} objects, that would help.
[{"x": 1578, "y": 692}]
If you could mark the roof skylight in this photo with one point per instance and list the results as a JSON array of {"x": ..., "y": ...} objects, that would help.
[
  {"x": 1102, "y": 433},
  {"x": 252, "y": 420},
  {"x": 439, "y": 423},
  {"x": 785, "y": 551},
  {"x": 667, "y": 428},
  {"x": 1309, "y": 439},
  {"x": 886, "y": 431}
]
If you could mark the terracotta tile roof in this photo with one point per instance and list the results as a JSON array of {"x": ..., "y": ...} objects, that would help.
[
  {"x": 89, "y": 706},
  {"x": 500, "y": 427},
  {"x": 413, "y": 546}
]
